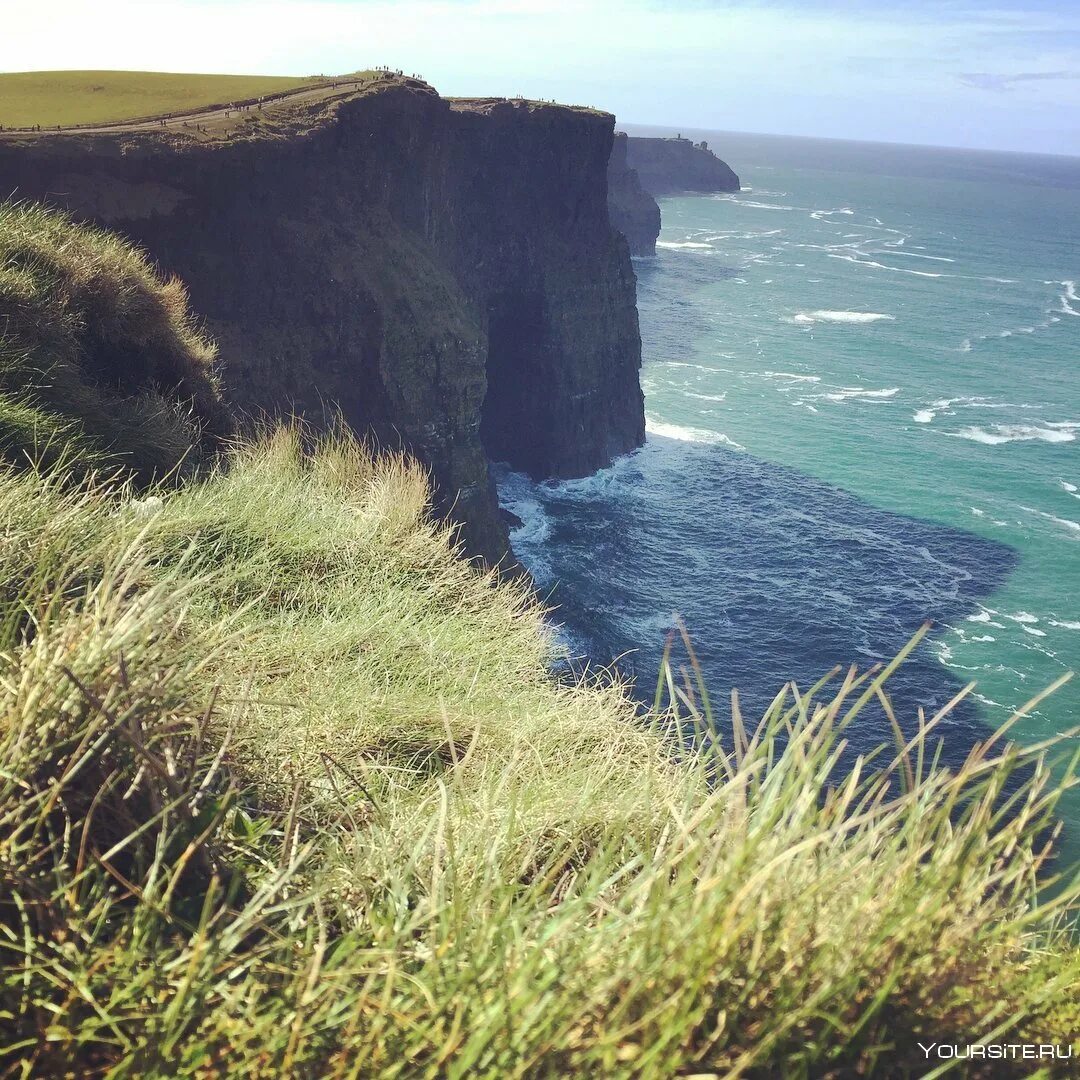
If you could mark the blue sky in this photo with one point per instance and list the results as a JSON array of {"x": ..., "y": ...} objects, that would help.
[{"x": 1002, "y": 73}]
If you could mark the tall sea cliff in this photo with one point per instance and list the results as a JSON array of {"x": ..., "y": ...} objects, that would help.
[
  {"x": 633, "y": 210},
  {"x": 444, "y": 272}
]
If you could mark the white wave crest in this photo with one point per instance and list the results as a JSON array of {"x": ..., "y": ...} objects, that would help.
[
  {"x": 982, "y": 403},
  {"x": 1066, "y": 523},
  {"x": 931, "y": 258},
  {"x": 998, "y": 434},
  {"x": 784, "y": 375},
  {"x": 881, "y": 266},
  {"x": 689, "y": 434},
  {"x": 846, "y": 392},
  {"x": 808, "y": 317},
  {"x": 1067, "y": 296},
  {"x": 761, "y": 205},
  {"x": 685, "y": 244},
  {"x": 924, "y": 416}
]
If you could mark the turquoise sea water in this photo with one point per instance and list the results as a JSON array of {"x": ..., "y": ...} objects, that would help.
[{"x": 862, "y": 380}]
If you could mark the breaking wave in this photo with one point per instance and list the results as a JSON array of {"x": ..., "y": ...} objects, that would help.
[
  {"x": 688, "y": 434},
  {"x": 998, "y": 434},
  {"x": 808, "y": 317}
]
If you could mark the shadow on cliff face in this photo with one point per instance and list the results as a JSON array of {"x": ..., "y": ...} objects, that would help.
[{"x": 777, "y": 575}]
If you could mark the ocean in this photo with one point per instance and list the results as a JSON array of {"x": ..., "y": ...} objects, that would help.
[{"x": 862, "y": 389}]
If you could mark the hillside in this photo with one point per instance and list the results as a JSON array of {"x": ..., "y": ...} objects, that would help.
[
  {"x": 49, "y": 98},
  {"x": 287, "y": 789},
  {"x": 101, "y": 362}
]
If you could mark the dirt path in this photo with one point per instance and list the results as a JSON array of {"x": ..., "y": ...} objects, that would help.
[{"x": 214, "y": 115}]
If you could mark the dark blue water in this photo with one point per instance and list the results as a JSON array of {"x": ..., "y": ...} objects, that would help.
[{"x": 777, "y": 576}]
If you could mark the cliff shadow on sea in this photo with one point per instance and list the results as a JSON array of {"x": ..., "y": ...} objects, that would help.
[{"x": 778, "y": 576}]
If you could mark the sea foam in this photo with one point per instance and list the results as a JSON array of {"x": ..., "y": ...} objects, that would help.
[
  {"x": 881, "y": 266},
  {"x": 689, "y": 434},
  {"x": 998, "y": 434},
  {"x": 807, "y": 317},
  {"x": 931, "y": 258},
  {"x": 1067, "y": 296},
  {"x": 846, "y": 392}
]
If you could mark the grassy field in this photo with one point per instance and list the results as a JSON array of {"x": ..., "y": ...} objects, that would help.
[
  {"x": 88, "y": 97},
  {"x": 287, "y": 789}
]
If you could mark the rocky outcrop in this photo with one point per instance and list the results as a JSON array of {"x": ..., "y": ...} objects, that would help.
[
  {"x": 443, "y": 272},
  {"x": 633, "y": 211},
  {"x": 668, "y": 166}
]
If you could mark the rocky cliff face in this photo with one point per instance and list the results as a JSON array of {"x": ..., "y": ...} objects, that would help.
[
  {"x": 665, "y": 166},
  {"x": 444, "y": 272},
  {"x": 633, "y": 211}
]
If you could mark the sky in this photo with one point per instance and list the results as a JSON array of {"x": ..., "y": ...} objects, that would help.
[{"x": 1000, "y": 74}]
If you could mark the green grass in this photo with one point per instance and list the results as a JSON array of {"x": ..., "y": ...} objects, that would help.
[
  {"x": 100, "y": 359},
  {"x": 287, "y": 788},
  {"x": 93, "y": 97}
]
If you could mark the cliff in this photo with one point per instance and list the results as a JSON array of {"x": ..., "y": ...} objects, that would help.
[
  {"x": 633, "y": 211},
  {"x": 667, "y": 166},
  {"x": 444, "y": 272}
]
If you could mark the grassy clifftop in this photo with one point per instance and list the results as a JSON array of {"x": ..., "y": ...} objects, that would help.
[
  {"x": 286, "y": 789},
  {"x": 49, "y": 98}
]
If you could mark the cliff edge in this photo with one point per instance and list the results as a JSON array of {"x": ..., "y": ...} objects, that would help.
[
  {"x": 668, "y": 166},
  {"x": 444, "y": 272}
]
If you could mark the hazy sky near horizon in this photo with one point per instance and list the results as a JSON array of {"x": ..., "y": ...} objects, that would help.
[{"x": 1003, "y": 74}]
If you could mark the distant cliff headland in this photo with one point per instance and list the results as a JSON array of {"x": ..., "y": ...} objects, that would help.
[
  {"x": 444, "y": 272},
  {"x": 641, "y": 169},
  {"x": 669, "y": 166}
]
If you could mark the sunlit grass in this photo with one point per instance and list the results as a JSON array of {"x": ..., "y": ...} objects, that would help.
[
  {"x": 49, "y": 98},
  {"x": 101, "y": 361},
  {"x": 286, "y": 789}
]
